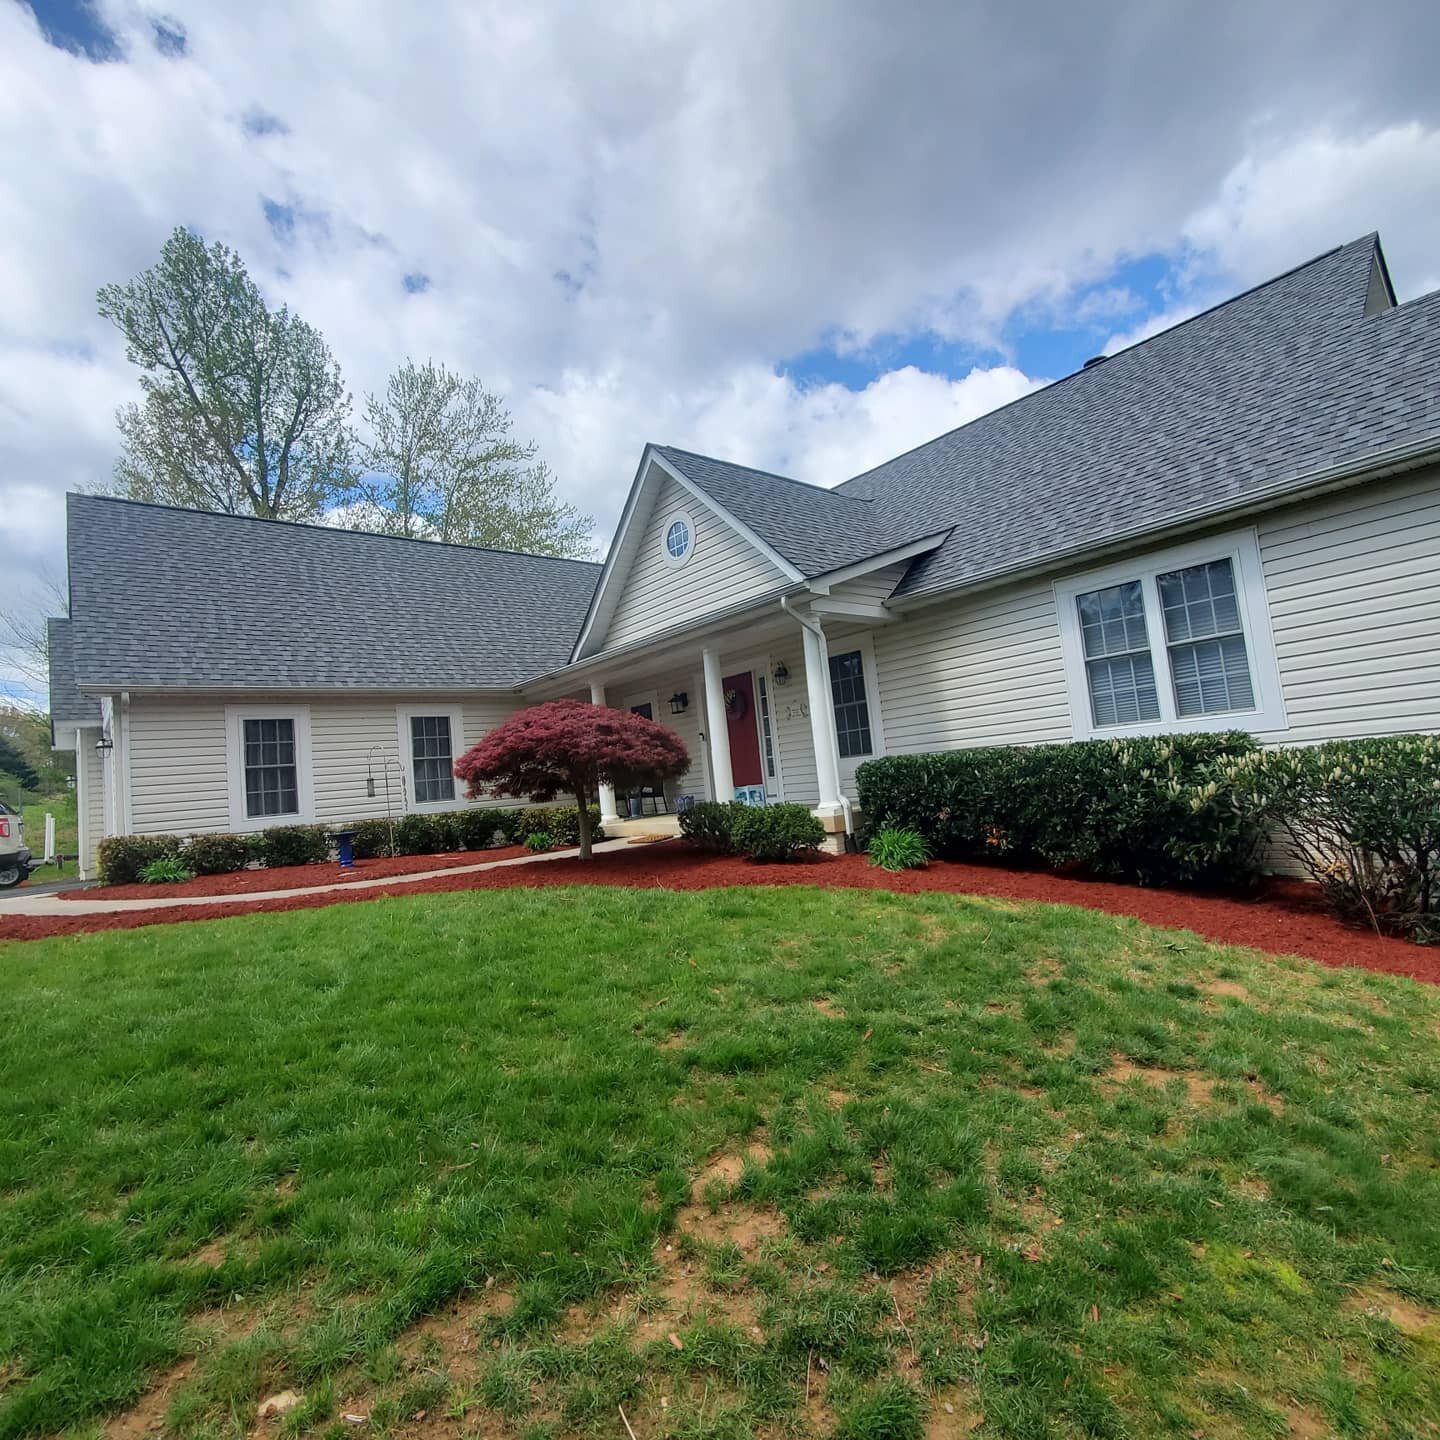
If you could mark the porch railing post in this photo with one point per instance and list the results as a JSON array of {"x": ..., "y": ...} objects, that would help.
[
  {"x": 608, "y": 813},
  {"x": 718, "y": 727}
]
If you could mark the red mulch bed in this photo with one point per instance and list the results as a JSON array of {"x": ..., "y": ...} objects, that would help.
[
  {"x": 1287, "y": 920},
  {"x": 296, "y": 877}
]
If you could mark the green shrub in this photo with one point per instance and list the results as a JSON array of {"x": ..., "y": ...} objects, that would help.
[
  {"x": 1156, "y": 810},
  {"x": 217, "y": 854},
  {"x": 507, "y": 824},
  {"x": 120, "y": 858},
  {"x": 1363, "y": 819},
  {"x": 776, "y": 832},
  {"x": 292, "y": 845},
  {"x": 372, "y": 839},
  {"x": 473, "y": 829},
  {"x": 710, "y": 825},
  {"x": 898, "y": 848},
  {"x": 538, "y": 840},
  {"x": 560, "y": 822},
  {"x": 167, "y": 870},
  {"x": 423, "y": 835}
]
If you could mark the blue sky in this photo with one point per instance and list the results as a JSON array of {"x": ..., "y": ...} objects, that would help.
[{"x": 804, "y": 237}]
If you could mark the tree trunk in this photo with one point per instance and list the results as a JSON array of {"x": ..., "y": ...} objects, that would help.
[{"x": 583, "y": 801}]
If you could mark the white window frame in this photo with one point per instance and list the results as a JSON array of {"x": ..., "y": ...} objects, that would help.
[
  {"x": 865, "y": 644},
  {"x": 1242, "y": 549},
  {"x": 235, "y": 716},
  {"x": 403, "y": 715},
  {"x": 676, "y": 561}
]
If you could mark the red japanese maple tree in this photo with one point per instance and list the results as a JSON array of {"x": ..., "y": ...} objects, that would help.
[{"x": 571, "y": 746}]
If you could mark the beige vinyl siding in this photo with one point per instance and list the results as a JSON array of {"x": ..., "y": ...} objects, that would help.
[
  {"x": 977, "y": 672},
  {"x": 177, "y": 767},
  {"x": 178, "y": 756},
  {"x": 874, "y": 587},
  {"x": 723, "y": 570},
  {"x": 1353, "y": 583}
]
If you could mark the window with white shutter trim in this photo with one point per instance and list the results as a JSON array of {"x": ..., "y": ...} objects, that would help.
[{"x": 1174, "y": 641}]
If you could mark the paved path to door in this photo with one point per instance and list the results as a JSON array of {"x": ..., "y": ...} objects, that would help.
[{"x": 18, "y": 902}]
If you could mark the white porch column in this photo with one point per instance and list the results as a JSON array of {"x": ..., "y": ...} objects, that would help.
[
  {"x": 822, "y": 722},
  {"x": 608, "y": 814},
  {"x": 717, "y": 728}
]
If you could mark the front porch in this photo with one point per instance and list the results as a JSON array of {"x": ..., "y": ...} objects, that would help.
[{"x": 780, "y": 706}]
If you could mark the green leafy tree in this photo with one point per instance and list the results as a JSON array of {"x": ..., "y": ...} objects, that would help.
[
  {"x": 441, "y": 463},
  {"x": 244, "y": 408},
  {"x": 16, "y": 766}
]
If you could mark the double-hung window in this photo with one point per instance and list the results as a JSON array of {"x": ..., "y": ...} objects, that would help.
[
  {"x": 432, "y": 754},
  {"x": 852, "y": 704},
  {"x": 268, "y": 765},
  {"x": 429, "y": 736},
  {"x": 1175, "y": 641}
]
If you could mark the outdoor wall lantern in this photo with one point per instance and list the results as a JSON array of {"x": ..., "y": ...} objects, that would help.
[
  {"x": 679, "y": 702},
  {"x": 104, "y": 743},
  {"x": 782, "y": 672}
]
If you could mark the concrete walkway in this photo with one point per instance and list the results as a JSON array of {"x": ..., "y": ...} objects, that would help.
[{"x": 17, "y": 902}]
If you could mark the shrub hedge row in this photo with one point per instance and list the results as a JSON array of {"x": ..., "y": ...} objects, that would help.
[
  {"x": 121, "y": 858},
  {"x": 1138, "y": 810},
  {"x": 1362, "y": 817},
  {"x": 763, "y": 832}
]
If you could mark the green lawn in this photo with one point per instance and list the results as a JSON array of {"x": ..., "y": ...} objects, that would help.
[{"x": 879, "y": 1164}]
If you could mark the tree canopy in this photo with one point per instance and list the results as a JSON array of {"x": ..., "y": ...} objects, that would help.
[
  {"x": 244, "y": 409},
  {"x": 441, "y": 463},
  {"x": 571, "y": 746}
]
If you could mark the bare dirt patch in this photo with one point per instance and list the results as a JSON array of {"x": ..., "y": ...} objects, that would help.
[
  {"x": 147, "y": 1414},
  {"x": 455, "y": 1329},
  {"x": 1199, "y": 1089},
  {"x": 1224, "y": 989},
  {"x": 828, "y": 1008},
  {"x": 674, "y": 1041},
  {"x": 838, "y": 1099},
  {"x": 952, "y": 1414},
  {"x": 1403, "y": 1313}
]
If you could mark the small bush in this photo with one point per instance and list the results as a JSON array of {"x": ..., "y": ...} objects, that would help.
[
  {"x": 371, "y": 839},
  {"x": 776, "y": 832},
  {"x": 167, "y": 870},
  {"x": 507, "y": 824},
  {"x": 560, "y": 822},
  {"x": 899, "y": 848},
  {"x": 120, "y": 858},
  {"x": 1156, "y": 810},
  {"x": 217, "y": 854},
  {"x": 292, "y": 845},
  {"x": 473, "y": 829},
  {"x": 1363, "y": 819},
  {"x": 710, "y": 825},
  {"x": 423, "y": 835},
  {"x": 538, "y": 840}
]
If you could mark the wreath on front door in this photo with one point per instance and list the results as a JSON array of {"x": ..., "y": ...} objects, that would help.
[{"x": 736, "y": 703}]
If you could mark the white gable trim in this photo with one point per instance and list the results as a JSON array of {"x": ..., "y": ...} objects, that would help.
[
  {"x": 822, "y": 584},
  {"x": 612, "y": 577}
]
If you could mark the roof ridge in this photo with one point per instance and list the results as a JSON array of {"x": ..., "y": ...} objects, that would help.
[
  {"x": 327, "y": 529},
  {"x": 1373, "y": 237},
  {"x": 765, "y": 474}
]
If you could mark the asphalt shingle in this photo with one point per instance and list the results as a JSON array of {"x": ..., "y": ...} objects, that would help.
[{"x": 187, "y": 599}]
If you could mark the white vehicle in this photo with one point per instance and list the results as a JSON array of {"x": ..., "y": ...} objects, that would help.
[{"x": 15, "y": 858}]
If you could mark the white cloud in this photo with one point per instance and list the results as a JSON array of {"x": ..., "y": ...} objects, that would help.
[{"x": 631, "y": 215}]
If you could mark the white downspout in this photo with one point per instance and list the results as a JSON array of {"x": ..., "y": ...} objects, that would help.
[{"x": 817, "y": 685}]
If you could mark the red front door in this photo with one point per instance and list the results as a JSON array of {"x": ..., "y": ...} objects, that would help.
[{"x": 744, "y": 734}]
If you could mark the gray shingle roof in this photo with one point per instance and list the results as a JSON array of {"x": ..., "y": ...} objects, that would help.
[
  {"x": 189, "y": 599},
  {"x": 67, "y": 705},
  {"x": 1270, "y": 386},
  {"x": 814, "y": 529},
  {"x": 1282, "y": 381}
]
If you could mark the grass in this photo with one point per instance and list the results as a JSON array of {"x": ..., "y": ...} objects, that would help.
[
  {"x": 62, "y": 807},
  {"x": 881, "y": 1165}
]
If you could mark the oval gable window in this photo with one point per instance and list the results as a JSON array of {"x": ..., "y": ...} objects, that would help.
[{"x": 679, "y": 539}]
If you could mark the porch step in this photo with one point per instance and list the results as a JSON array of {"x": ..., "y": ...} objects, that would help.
[{"x": 646, "y": 827}]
